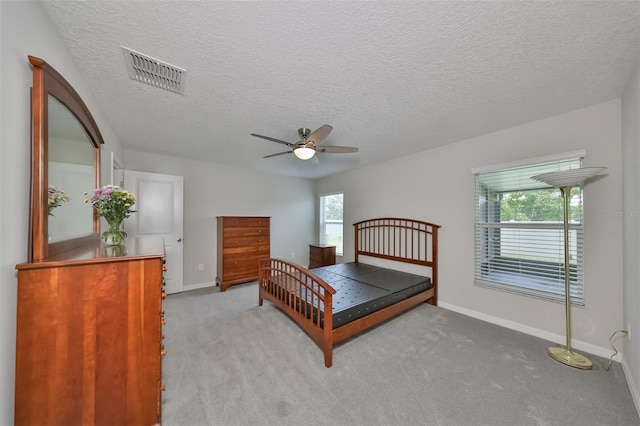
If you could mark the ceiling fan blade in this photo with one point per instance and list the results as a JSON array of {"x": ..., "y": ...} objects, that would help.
[
  {"x": 319, "y": 135},
  {"x": 338, "y": 149},
  {"x": 273, "y": 140},
  {"x": 279, "y": 153}
]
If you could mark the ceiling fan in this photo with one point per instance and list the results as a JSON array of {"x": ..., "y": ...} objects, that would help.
[{"x": 307, "y": 146}]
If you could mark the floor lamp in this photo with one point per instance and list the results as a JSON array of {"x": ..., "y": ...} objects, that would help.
[{"x": 565, "y": 180}]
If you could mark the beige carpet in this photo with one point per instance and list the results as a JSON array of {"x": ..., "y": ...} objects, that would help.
[{"x": 230, "y": 362}]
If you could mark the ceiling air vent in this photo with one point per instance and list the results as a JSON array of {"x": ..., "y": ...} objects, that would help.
[{"x": 151, "y": 71}]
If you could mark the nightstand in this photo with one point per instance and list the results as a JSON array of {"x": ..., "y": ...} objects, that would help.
[{"x": 321, "y": 255}]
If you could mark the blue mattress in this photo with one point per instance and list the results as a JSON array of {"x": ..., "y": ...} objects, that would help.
[{"x": 362, "y": 289}]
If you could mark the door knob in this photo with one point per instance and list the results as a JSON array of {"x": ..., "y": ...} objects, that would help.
[{"x": 179, "y": 240}]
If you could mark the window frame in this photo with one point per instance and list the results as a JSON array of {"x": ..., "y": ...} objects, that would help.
[
  {"x": 530, "y": 279},
  {"x": 322, "y": 222}
]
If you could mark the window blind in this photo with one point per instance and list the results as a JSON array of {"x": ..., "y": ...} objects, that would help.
[{"x": 519, "y": 232}]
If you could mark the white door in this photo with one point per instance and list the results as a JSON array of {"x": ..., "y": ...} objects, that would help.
[{"x": 159, "y": 212}]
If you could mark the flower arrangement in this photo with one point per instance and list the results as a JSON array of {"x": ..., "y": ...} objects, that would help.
[
  {"x": 56, "y": 198},
  {"x": 115, "y": 205}
]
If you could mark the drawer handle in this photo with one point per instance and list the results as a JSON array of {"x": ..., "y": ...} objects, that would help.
[
  {"x": 163, "y": 388},
  {"x": 163, "y": 321},
  {"x": 164, "y": 269},
  {"x": 164, "y": 295},
  {"x": 163, "y": 352}
]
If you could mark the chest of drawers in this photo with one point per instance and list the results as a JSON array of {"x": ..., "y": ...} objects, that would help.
[
  {"x": 241, "y": 241},
  {"x": 89, "y": 338}
]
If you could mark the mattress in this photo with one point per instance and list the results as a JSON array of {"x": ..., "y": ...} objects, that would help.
[{"x": 362, "y": 289}]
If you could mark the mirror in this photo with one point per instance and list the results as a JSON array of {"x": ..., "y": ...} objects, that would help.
[
  {"x": 65, "y": 157},
  {"x": 70, "y": 175}
]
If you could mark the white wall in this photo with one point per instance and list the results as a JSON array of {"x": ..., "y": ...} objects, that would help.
[
  {"x": 631, "y": 206},
  {"x": 437, "y": 186},
  {"x": 25, "y": 29},
  {"x": 212, "y": 190}
]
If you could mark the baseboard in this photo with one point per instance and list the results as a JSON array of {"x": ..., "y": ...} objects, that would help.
[
  {"x": 197, "y": 286},
  {"x": 633, "y": 388},
  {"x": 556, "y": 338}
]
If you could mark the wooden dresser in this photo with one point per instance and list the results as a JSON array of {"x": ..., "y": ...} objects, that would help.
[
  {"x": 242, "y": 240},
  {"x": 89, "y": 337},
  {"x": 321, "y": 255}
]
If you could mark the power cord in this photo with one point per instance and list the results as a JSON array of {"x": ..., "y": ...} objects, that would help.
[{"x": 615, "y": 351}]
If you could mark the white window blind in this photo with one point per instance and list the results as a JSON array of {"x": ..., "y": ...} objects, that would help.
[{"x": 519, "y": 232}]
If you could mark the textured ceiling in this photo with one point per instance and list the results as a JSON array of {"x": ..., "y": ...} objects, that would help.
[{"x": 392, "y": 78}]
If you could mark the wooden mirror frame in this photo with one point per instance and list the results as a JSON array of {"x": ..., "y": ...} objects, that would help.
[{"x": 47, "y": 81}]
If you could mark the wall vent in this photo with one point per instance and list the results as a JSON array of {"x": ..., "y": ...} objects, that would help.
[{"x": 152, "y": 71}]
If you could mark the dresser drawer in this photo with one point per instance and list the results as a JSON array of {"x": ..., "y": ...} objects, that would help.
[
  {"x": 254, "y": 231},
  {"x": 244, "y": 240},
  {"x": 244, "y": 222},
  {"x": 234, "y": 252},
  {"x": 240, "y": 267}
]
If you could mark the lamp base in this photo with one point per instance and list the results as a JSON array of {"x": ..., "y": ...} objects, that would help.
[{"x": 570, "y": 358}]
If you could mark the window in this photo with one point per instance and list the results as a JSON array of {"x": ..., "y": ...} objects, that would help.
[
  {"x": 331, "y": 221},
  {"x": 519, "y": 232}
]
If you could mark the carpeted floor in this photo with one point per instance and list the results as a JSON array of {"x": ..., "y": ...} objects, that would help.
[{"x": 230, "y": 362}]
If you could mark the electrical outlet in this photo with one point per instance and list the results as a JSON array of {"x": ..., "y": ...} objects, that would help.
[
  {"x": 629, "y": 330},
  {"x": 200, "y": 267}
]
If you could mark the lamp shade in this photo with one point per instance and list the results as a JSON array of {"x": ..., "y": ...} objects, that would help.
[
  {"x": 570, "y": 177},
  {"x": 304, "y": 153}
]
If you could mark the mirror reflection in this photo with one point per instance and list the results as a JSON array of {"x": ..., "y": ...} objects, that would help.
[{"x": 71, "y": 173}]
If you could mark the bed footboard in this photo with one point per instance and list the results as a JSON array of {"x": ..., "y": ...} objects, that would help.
[{"x": 302, "y": 296}]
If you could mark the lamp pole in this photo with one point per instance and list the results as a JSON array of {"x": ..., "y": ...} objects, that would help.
[
  {"x": 567, "y": 355},
  {"x": 565, "y": 180}
]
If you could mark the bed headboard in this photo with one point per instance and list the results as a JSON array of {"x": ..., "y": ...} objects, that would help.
[{"x": 403, "y": 240}]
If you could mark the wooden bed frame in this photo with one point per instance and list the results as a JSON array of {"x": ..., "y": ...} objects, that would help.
[{"x": 287, "y": 285}]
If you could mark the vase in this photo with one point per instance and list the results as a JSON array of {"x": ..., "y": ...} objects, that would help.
[
  {"x": 114, "y": 251},
  {"x": 114, "y": 236}
]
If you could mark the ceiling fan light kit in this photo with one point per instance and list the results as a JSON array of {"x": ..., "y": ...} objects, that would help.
[
  {"x": 306, "y": 148},
  {"x": 304, "y": 153}
]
